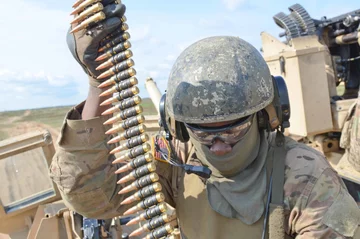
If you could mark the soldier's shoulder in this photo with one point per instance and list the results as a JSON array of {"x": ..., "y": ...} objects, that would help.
[
  {"x": 304, "y": 160},
  {"x": 306, "y": 167},
  {"x": 315, "y": 192}
]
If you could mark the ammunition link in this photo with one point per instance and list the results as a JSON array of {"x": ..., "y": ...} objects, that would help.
[
  {"x": 149, "y": 190},
  {"x": 133, "y": 153},
  {"x": 146, "y": 180},
  {"x": 123, "y": 75},
  {"x": 127, "y": 93},
  {"x": 154, "y": 211},
  {"x": 126, "y": 84},
  {"x": 160, "y": 232},
  {"x": 118, "y": 48},
  {"x": 133, "y": 121},
  {"x": 141, "y": 160},
  {"x": 113, "y": 42},
  {"x": 133, "y": 132},
  {"x": 122, "y": 66},
  {"x": 143, "y": 170},
  {"x": 155, "y": 223},
  {"x": 118, "y": 64},
  {"x": 127, "y": 103},
  {"x": 151, "y": 201}
]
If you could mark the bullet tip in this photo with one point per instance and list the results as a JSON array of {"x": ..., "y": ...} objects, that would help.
[
  {"x": 101, "y": 76},
  {"x": 100, "y": 58},
  {"x": 103, "y": 85},
  {"x": 136, "y": 232},
  {"x": 107, "y": 123},
  {"x": 130, "y": 211},
  {"x": 110, "y": 131},
  {"x": 132, "y": 222},
  {"x": 115, "y": 162},
  {"x": 103, "y": 94},
  {"x": 107, "y": 112}
]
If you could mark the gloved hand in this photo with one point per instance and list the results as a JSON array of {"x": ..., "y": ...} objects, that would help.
[{"x": 85, "y": 47}]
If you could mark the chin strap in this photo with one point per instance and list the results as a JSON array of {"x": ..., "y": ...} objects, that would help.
[{"x": 276, "y": 207}]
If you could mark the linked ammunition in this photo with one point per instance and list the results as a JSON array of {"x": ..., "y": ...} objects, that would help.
[
  {"x": 133, "y": 153},
  {"x": 122, "y": 95},
  {"x": 114, "y": 34},
  {"x": 139, "y": 172},
  {"x": 122, "y": 85},
  {"x": 146, "y": 203},
  {"x": 117, "y": 68},
  {"x": 160, "y": 232},
  {"x": 131, "y": 143},
  {"x": 91, "y": 10},
  {"x": 126, "y": 124},
  {"x": 123, "y": 115},
  {"x": 113, "y": 42},
  {"x": 149, "y": 213},
  {"x": 77, "y": 3},
  {"x": 83, "y": 5},
  {"x": 127, "y": 103},
  {"x": 143, "y": 193},
  {"x": 139, "y": 183},
  {"x": 115, "y": 50},
  {"x": 93, "y": 19},
  {"x": 153, "y": 223},
  {"x": 116, "y": 59},
  {"x": 171, "y": 237},
  {"x": 136, "y": 162},
  {"x": 119, "y": 77},
  {"x": 129, "y": 133}
]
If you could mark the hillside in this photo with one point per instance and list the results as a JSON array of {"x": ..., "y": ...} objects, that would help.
[{"x": 13, "y": 123}]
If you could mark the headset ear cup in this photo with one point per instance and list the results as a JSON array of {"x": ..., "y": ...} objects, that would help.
[{"x": 181, "y": 132}]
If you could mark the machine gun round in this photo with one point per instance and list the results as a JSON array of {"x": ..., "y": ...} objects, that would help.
[{"x": 117, "y": 72}]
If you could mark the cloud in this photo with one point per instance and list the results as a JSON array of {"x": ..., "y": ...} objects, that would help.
[
  {"x": 232, "y": 4},
  {"x": 30, "y": 77}
]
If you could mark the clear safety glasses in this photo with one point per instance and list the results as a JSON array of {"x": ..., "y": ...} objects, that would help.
[{"x": 229, "y": 134}]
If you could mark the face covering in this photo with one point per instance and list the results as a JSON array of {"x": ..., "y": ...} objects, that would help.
[{"x": 237, "y": 186}]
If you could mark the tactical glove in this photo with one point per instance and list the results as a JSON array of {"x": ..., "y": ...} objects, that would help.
[{"x": 84, "y": 44}]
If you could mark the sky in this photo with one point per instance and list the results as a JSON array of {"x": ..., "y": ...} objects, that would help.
[{"x": 37, "y": 69}]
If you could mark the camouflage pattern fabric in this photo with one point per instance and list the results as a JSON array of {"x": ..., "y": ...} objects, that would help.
[
  {"x": 350, "y": 136},
  {"x": 317, "y": 202}
]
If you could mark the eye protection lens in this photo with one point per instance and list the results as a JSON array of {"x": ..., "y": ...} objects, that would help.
[{"x": 229, "y": 134}]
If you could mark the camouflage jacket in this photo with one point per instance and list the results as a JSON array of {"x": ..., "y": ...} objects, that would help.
[{"x": 316, "y": 200}]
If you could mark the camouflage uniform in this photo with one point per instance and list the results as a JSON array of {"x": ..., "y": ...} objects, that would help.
[{"x": 317, "y": 202}]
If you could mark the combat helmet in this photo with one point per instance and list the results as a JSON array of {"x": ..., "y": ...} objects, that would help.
[{"x": 218, "y": 79}]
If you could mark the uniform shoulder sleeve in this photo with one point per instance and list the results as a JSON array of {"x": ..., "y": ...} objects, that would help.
[
  {"x": 316, "y": 199},
  {"x": 82, "y": 167}
]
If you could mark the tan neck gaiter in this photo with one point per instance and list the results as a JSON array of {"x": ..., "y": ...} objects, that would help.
[{"x": 237, "y": 186}]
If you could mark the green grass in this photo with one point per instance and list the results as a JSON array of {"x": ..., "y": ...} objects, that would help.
[
  {"x": 149, "y": 108},
  {"x": 53, "y": 116},
  {"x": 3, "y": 135},
  {"x": 340, "y": 89},
  {"x": 50, "y": 116}
]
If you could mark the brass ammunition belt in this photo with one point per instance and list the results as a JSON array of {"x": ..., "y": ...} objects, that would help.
[{"x": 115, "y": 61}]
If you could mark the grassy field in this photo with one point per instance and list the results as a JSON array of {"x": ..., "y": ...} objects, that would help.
[{"x": 51, "y": 117}]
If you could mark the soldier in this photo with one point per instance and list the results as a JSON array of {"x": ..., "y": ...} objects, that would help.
[{"x": 216, "y": 89}]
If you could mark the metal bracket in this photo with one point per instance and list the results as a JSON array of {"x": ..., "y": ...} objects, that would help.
[{"x": 91, "y": 228}]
